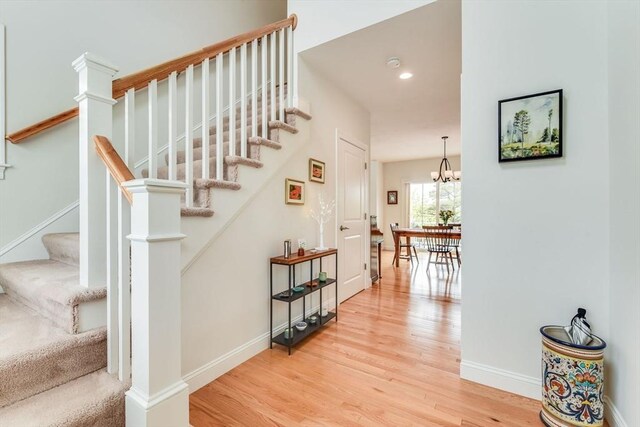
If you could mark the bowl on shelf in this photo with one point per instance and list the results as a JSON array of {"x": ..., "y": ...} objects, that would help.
[
  {"x": 313, "y": 319},
  {"x": 301, "y": 326},
  {"x": 298, "y": 289}
]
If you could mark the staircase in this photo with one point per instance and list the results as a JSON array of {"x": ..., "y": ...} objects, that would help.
[
  {"x": 53, "y": 375},
  {"x": 59, "y": 366},
  {"x": 232, "y": 163}
]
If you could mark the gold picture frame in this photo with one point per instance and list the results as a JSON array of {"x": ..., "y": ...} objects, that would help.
[
  {"x": 294, "y": 192},
  {"x": 316, "y": 171}
]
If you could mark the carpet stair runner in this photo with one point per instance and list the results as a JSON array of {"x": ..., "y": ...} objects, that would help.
[{"x": 51, "y": 375}]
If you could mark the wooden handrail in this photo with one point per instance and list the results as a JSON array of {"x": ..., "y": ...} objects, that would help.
[
  {"x": 114, "y": 163},
  {"x": 159, "y": 72}
]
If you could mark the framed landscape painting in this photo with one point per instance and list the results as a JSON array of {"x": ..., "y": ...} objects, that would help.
[
  {"x": 530, "y": 127},
  {"x": 293, "y": 192}
]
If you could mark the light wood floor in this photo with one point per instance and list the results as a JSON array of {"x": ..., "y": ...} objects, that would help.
[{"x": 392, "y": 360}]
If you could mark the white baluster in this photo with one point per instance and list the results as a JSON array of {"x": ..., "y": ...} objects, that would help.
[
  {"x": 272, "y": 91},
  {"x": 263, "y": 91},
  {"x": 289, "y": 67},
  {"x": 124, "y": 228},
  {"x": 243, "y": 100},
  {"x": 113, "y": 339},
  {"x": 219, "y": 118},
  {"x": 281, "y": 54},
  {"x": 96, "y": 118},
  {"x": 232, "y": 102},
  {"x": 254, "y": 88},
  {"x": 188, "y": 136},
  {"x": 173, "y": 125},
  {"x": 153, "y": 128},
  {"x": 205, "y": 119},
  {"x": 129, "y": 127},
  {"x": 158, "y": 396}
]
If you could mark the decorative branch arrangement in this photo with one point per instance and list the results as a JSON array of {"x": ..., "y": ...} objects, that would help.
[{"x": 323, "y": 216}]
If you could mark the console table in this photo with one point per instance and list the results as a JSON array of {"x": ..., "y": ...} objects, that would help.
[{"x": 310, "y": 287}]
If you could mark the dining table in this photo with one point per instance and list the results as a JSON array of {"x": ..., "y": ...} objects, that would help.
[{"x": 408, "y": 233}]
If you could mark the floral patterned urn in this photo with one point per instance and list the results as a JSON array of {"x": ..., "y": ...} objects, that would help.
[{"x": 572, "y": 380}]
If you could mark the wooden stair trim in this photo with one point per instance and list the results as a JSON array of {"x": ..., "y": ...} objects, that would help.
[
  {"x": 114, "y": 163},
  {"x": 158, "y": 72}
]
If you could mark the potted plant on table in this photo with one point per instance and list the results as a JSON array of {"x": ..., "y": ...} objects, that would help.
[{"x": 445, "y": 216}]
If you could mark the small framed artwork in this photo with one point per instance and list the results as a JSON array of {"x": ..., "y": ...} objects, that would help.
[
  {"x": 530, "y": 127},
  {"x": 316, "y": 171},
  {"x": 392, "y": 197},
  {"x": 293, "y": 192}
]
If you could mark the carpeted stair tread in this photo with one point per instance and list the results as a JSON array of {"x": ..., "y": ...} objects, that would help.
[
  {"x": 163, "y": 172},
  {"x": 274, "y": 125},
  {"x": 277, "y": 124},
  {"x": 238, "y": 160},
  {"x": 197, "y": 151},
  {"x": 35, "y": 355},
  {"x": 95, "y": 400},
  {"x": 49, "y": 287},
  {"x": 63, "y": 247},
  {"x": 196, "y": 211},
  {"x": 216, "y": 183},
  {"x": 298, "y": 112},
  {"x": 266, "y": 142}
]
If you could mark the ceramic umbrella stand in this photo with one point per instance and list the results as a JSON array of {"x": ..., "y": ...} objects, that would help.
[{"x": 572, "y": 380}]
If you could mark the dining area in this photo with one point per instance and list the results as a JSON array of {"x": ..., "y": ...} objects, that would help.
[{"x": 442, "y": 242}]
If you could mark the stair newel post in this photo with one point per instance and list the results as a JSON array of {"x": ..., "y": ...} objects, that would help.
[
  {"x": 96, "y": 104},
  {"x": 158, "y": 395}
]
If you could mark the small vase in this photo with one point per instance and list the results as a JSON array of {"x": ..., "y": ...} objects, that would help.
[{"x": 321, "y": 245}]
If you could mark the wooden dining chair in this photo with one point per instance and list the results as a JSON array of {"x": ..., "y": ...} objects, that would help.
[
  {"x": 401, "y": 246},
  {"x": 438, "y": 240}
]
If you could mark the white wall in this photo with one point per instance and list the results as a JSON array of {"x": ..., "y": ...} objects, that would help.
[
  {"x": 376, "y": 182},
  {"x": 396, "y": 175},
  {"x": 536, "y": 233},
  {"x": 43, "y": 39},
  {"x": 623, "y": 363},
  {"x": 325, "y": 20},
  {"x": 226, "y": 292}
]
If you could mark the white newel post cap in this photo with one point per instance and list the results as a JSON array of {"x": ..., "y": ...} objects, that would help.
[
  {"x": 150, "y": 185},
  {"x": 95, "y": 78},
  {"x": 90, "y": 60}
]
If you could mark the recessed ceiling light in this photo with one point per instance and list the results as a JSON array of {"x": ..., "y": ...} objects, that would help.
[{"x": 405, "y": 76}]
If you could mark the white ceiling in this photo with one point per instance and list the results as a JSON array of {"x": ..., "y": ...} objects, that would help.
[{"x": 408, "y": 117}]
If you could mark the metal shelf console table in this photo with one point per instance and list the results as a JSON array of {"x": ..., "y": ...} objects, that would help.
[{"x": 289, "y": 296}]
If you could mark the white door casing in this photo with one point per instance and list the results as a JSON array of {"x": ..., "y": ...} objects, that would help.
[{"x": 351, "y": 225}]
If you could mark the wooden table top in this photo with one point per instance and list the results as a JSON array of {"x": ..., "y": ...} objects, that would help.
[
  {"x": 419, "y": 232},
  {"x": 295, "y": 259}
]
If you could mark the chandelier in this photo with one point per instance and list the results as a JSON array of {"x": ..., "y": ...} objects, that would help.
[{"x": 446, "y": 173}]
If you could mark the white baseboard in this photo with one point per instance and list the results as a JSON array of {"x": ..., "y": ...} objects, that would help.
[
  {"x": 612, "y": 414},
  {"x": 501, "y": 379},
  {"x": 202, "y": 376},
  {"x": 208, "y": 372}
]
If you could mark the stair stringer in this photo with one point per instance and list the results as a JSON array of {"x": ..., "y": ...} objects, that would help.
[{"x": 228, "y": 205}]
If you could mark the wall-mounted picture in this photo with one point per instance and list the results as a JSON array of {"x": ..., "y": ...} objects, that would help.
[
  {"x": 392, "y": 197},
  {"x": 316, "y": 171},
  {"x": 293, "y": 192},
  {"x": 530, "y": 127}
]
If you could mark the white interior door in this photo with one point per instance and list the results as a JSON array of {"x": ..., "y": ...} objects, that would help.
[{"x": 351, "y": 222}]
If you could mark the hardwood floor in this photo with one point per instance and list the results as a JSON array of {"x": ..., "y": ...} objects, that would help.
[{"x": 392, "y": 360}]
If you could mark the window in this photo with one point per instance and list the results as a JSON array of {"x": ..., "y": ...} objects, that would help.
[
  {"x": 423, "y": 206},
  {"x": 428, "y": 199}
]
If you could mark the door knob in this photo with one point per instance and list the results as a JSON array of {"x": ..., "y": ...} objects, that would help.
[{"x": 342, "y": 228}]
